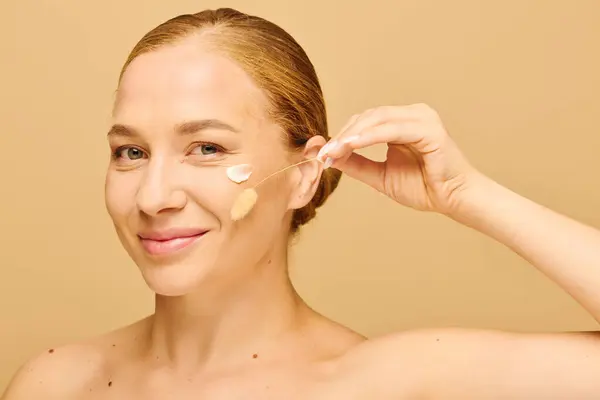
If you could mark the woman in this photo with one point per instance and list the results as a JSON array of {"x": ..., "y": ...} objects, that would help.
[{"x": 204, "y": 92}]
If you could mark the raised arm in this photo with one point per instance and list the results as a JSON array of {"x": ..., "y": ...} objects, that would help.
[
  {"x": 425, "y": 170},
  {"x": 565, "y": 250}
]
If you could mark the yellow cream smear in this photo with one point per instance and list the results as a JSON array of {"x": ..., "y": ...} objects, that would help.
[{"x": 243, "y": 204}]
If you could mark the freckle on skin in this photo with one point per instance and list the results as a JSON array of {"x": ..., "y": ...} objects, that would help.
[
  {"x": 51, "y": 351},
  {"x": 254, "y": 355},
  {"x": 109, "y": 383}
]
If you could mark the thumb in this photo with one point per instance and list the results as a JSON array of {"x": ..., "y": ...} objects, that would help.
[{"x": 363, "y": 169}]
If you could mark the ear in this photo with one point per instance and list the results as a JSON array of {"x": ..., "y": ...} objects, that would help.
[{"x": 308, "y": 174}]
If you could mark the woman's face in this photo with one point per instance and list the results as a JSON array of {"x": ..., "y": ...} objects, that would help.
[{"x": 181, "y": 117}]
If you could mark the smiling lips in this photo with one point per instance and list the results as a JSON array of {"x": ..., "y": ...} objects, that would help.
[{"x": 169, "y": 241}]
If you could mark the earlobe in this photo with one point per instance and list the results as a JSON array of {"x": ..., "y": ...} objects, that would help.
[{"x": 309, "y": 174}]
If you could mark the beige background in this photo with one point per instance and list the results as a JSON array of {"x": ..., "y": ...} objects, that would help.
[{"x": 516, "y": 82}]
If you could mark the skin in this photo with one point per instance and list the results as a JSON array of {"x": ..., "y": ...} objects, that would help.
[{"x": 234, "y": 278}]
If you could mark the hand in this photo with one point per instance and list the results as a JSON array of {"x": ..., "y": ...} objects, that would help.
[{"x": 424, "y": 169}]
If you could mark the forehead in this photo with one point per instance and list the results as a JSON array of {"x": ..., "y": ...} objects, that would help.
[{"x": 186, "y": 81}]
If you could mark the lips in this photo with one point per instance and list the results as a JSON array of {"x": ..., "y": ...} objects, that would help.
[{"x": 169, "y": 241}]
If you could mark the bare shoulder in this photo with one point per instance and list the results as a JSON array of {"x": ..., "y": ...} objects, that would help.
[
  {"x": 57, "y": 373},
  {"x": 436, "y": 362},
  {"x": 66, "y": 372}
]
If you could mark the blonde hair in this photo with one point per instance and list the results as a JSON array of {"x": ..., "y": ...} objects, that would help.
[{"x": 276, "y": 63}]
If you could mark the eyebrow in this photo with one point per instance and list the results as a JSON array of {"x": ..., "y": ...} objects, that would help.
[{"x": 184, "y": 128}]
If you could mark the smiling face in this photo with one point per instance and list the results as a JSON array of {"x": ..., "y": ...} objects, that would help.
[{"x": 181, "y": 117}]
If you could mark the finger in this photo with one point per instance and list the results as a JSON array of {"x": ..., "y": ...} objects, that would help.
[
  {"x": 359, "y": 125},
  {"x": 363, "y": 169},
  {"x": 400, "y": 133},
  {"x": 392, "y": 133},
  {"x": 333, "y": 141},
  {"x": 377, "y": 116}
]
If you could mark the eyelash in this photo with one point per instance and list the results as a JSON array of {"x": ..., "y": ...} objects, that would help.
[{"x": 219, "y": 149}]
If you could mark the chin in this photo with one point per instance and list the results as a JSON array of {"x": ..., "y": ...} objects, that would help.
[
  {"x": 177, "y": 279},
  {"x": 209, "y": 265},
  {"x": 175, "y": 273}
]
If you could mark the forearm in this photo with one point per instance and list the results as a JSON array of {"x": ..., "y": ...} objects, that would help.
[{"x": 566, "y": 251}]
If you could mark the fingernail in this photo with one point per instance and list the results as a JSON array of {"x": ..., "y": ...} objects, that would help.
[
  {"x": 328, "y": 163},
  {"x": 328, "y": 146}
]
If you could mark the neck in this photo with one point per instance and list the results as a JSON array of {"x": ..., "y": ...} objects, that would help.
[{"x": 207, "y": 330}]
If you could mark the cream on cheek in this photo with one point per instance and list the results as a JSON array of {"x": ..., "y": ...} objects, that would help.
[
  {"x": 210, "y": 189},
  {"x": 215, "y": 185},
  {"x": 267, "y": 157},
  {"x": 239, "y": 173},
  {"x": 246, "y": 196},
  {"x": 247, "y": 199}
]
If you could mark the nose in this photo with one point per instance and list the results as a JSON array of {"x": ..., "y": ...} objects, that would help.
[{"x": 158, "y": 192}]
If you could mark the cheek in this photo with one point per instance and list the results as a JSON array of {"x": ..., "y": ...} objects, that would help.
[
  {"x": 211, "y": 190},
  {"x": 272, "y": 203},
  {"x": 274, "y": 193},
  {"x": 119, "y": 194}
]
